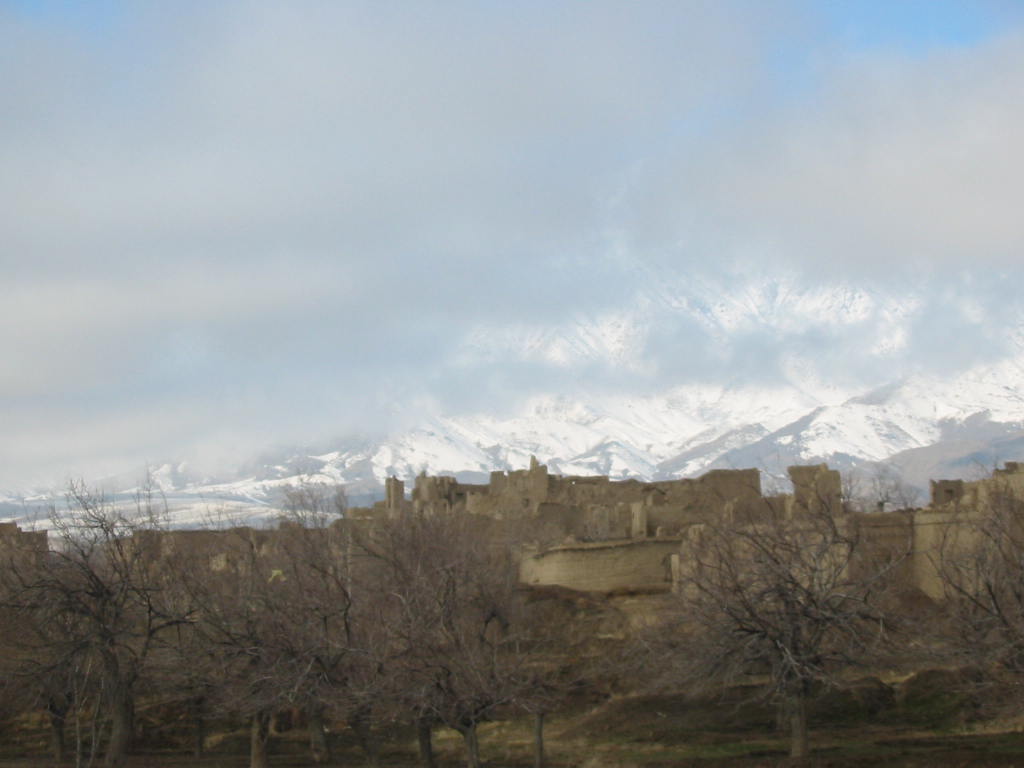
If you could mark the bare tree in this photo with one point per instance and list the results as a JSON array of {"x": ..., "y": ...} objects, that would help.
[
  {"x": 795, "y": 601},
  {"x": 980, "y": 563},
  {"x": 278, "y": 612},
  {"x": 852, "y": 491},
  {"x": 35, "y": 670},
  {"x": 449, "y": 594},
  {"x": 563, "y": 635},
  {"x": 183, "y": 667},
  {"x": 237, "y": 598},
  {"x": 95, "y": 606},
  {"x": 886, "y": 489},
  {"x": 335, "y": 619}
]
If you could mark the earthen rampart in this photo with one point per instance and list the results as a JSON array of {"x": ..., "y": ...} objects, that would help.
[
  {"x": 604, "y": 566},
  {"x": 19, "y": 547},
  {"x": 592, "y": 533},
  {"x": 589, "y": 508}
]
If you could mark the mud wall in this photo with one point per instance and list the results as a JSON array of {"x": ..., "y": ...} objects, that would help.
[{"x": 603, "y": 566}]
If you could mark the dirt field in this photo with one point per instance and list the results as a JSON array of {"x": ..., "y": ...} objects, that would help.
[
  {"x": 928, "y": 725},
  {"x": 508, "y": 745}
]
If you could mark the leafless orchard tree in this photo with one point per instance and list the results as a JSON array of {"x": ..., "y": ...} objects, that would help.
[
  {"x": 33, "y": 673},
  {"x": 981, "y": 567},
  {"x": 239, "y": 601},
  {"x": 852, "y": 490},
  {"x": 287, "y": 625},
  {"x": 795, "y": 601},
  {"x": 888, "y": 490},
  {"x": 36, "y": 669},
  {"x": 880, "y": 488},
  {"x": 564, "y": 637},
  {"x": 182, "y": 673},
  {"x": 95, "y": 607},
  {"x": 335, "y": 618},
  {"x": 449, "y": 593}
]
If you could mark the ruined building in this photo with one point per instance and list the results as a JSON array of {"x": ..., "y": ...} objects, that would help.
[
  {"x": 595, "y": 534},
  {"x": 21, "y": 547},
  {"x": 591, "y": 533}
]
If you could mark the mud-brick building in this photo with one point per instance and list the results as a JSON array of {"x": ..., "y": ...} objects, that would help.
[
  {"x": 592, "y": 533},
  {"x": 20, "y": 546},
  {"x": 578, "y": 508}
]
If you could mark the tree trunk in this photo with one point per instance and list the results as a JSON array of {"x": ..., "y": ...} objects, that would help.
[
  {"x": 359, "y": 722},
  {"x": 57, "y": 736},
  {"x": 424, "y": 733},
  {"x": 79, "y": 748},
  {"x": 122, "y": 725},
  {"x": 538, "y": 740},
  {"x": 782, "y": 715},
  {"x": 319, "y": 747},
  {"x": 259, "y": 740},
  {"x": 472, "y": 746},
  {"x": 92, "y": 736},
  {"x": 198, "y": 727},
  {"x": 798, "y": 749}
]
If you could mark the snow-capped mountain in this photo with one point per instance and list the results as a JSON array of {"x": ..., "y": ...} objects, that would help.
[
  {"x": 926, "y": 424},
  {"x": 924, "y": 427}
]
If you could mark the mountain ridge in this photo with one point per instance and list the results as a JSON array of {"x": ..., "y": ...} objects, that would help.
[
  {"x": 925, "y": 424},
  {"x": 663, "y": 440}
]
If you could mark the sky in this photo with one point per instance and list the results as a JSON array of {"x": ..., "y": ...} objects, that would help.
[{"x": 235, "y": 225}]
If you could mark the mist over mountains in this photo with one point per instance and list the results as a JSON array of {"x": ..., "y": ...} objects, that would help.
[
  {"x": 245, "y": 241},
  {"x": 771, "y": 396}
]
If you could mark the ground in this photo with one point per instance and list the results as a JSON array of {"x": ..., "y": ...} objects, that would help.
[
  {"x": 927, "y": 724},
  {"x": 508, "y": 744}
]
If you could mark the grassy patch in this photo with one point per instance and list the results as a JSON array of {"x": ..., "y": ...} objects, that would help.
[{"x": 863, "y": 724}]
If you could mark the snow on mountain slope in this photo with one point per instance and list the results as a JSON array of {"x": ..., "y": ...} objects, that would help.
[
  {"x": 682, "y": 433},
  {"x": 700, "y": 456},
  {"x": 691, "y": 429},
  {"x": 920, "y": 413},
  {"x": 803, "y": 415},
  {"x": 933, "y": 422},
  {"x": 719, "y": 310}
]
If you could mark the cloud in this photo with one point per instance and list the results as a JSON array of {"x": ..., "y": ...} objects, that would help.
[
  {"x": 899, "y": 162},
  {"x": 224, "y": 225}
]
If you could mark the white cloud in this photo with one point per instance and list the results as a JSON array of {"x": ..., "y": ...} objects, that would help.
[
  {"x": 896, "y": 163},
  {"x": 228, "y": 224}
]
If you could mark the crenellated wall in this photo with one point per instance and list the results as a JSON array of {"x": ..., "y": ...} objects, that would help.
[
  {"x": 591, "y": 533},
  {"x": 20, "y": 546},
  {"x": 913, "y": 538},
  {"x": 588, "y": 508}
]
